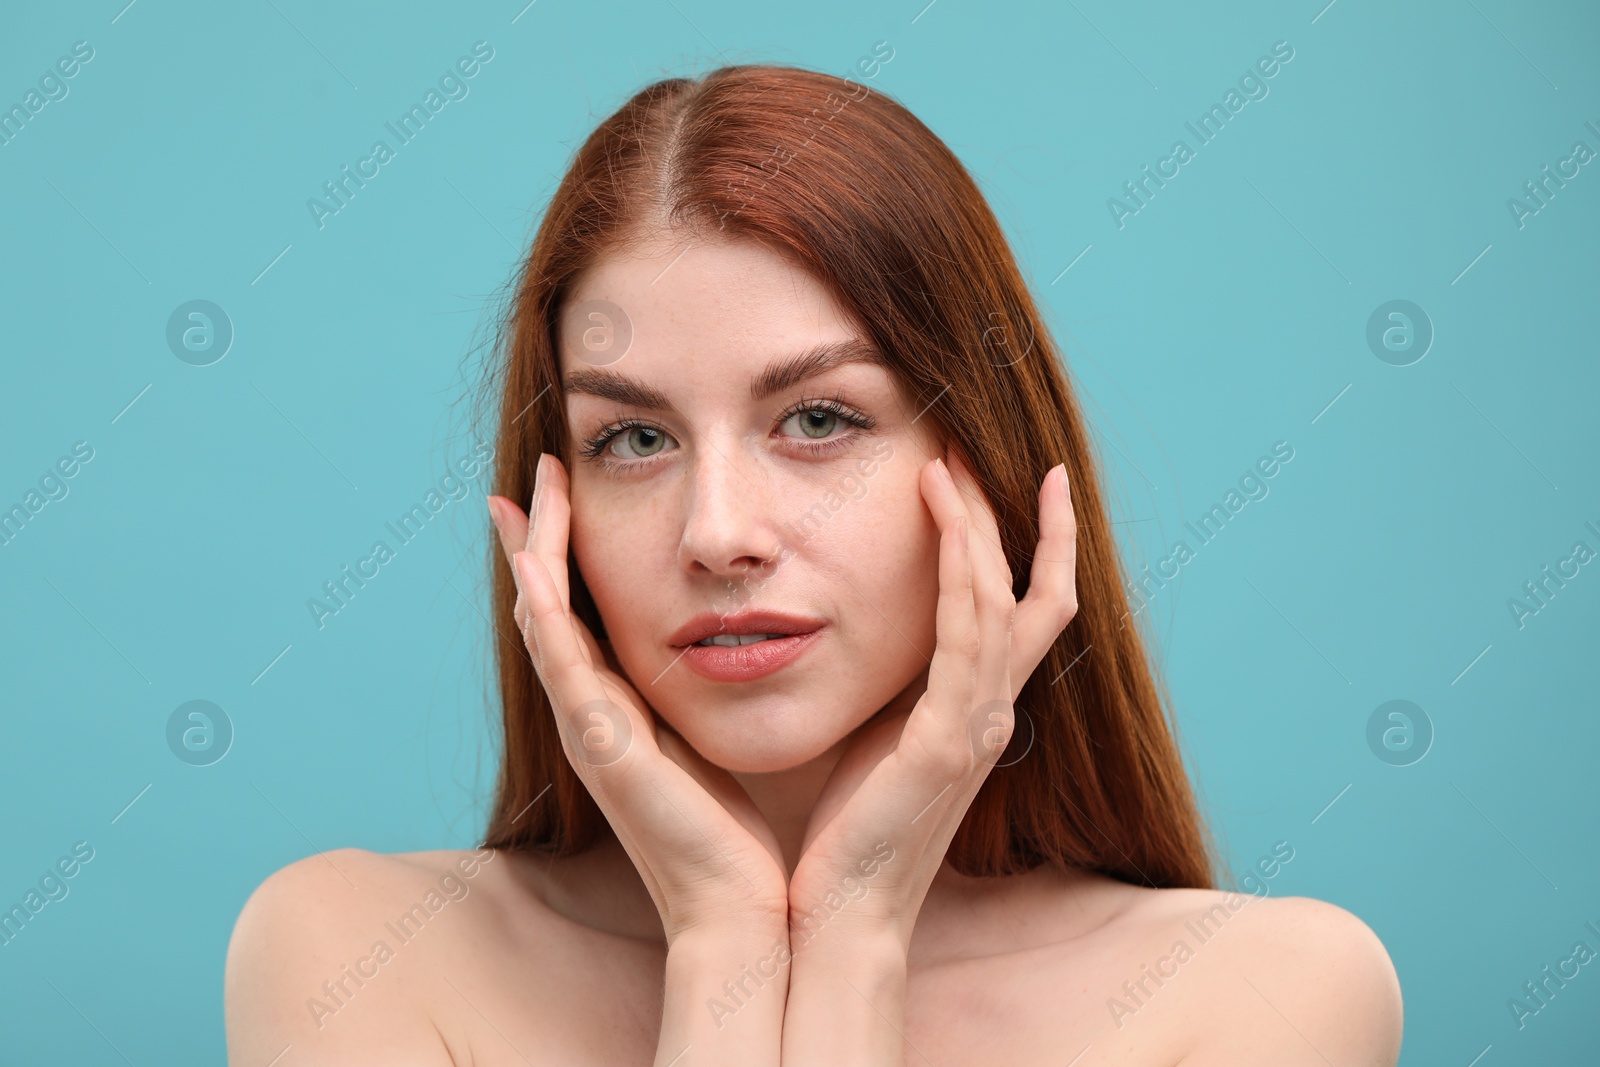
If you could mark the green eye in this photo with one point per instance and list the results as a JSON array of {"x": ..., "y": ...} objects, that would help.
[
  {"x": 821, "y": 421},
  {"x": 645, "y": 440},
  {"x": 816, "y": 422}
]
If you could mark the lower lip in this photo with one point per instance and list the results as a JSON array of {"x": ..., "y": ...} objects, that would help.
[{"x": 744, "y": 663}]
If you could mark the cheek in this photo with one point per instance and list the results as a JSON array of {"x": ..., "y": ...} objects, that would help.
[
  {"x": 610, "y": 550},
  {"x": 890, "y": 553}
]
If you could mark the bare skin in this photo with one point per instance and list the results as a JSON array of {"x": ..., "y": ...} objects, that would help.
[
  {"x": 776, "y": 890},
  {"x": 562, "y": 963}
]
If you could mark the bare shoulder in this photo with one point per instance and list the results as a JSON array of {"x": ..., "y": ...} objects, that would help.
[
  {"x": 1291, "y": 980},
  {"x": 326, "y": 957}
]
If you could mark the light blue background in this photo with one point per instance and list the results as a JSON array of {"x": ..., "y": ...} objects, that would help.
[{"x": 1225, "y": 316}]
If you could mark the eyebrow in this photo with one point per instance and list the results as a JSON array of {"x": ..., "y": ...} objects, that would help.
[{"x": 778, "y": 376}]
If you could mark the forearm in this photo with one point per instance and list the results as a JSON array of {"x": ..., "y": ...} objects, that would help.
[
  {"x": 724, "y": 999},
  {"x": 846, "y": 1004}
]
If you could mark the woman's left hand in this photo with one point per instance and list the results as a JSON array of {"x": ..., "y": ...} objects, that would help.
[{"x": 896, "y": 797}]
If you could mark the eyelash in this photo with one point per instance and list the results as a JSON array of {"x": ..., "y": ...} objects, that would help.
[{"x": 596, "y": 446}]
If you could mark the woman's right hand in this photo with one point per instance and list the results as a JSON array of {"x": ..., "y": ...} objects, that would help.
[{"x": 707, "y": 856}]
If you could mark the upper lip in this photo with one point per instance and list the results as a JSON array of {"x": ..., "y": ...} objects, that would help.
[{"x": 709, "y": 623}]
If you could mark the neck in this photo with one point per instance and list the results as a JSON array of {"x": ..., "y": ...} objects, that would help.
[{"x": 787, "y": 798}]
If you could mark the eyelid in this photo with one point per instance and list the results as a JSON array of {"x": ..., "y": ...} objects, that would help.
[
  {"x": 835, "y": 405},
  {"x": 597, "y": 448}
]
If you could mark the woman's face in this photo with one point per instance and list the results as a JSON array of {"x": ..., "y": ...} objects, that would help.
[{"x": 720, "y": 468}]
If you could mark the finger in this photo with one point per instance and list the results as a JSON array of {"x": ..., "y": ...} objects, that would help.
[
  {"x": 548, "y": 525},
  {"x": 989, "y": 567},
  {"x": 558, "y": 655},
  {"x": 987, "y": 550},
  {"x": 952, "y": 669},
  {"x": 512, "y": 526},
  {"x": 1052, "y": 598},
  {"x": 991, "y": 586}
]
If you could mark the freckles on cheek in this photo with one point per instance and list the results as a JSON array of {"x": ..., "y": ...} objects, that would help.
[
  {"x": 891, "y": 555},
  {"x": 622, "y": 547},
  {"x": 914, "y": 557}
]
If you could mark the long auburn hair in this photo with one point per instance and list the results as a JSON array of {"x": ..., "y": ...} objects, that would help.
[{"x": 850, "y": 185}]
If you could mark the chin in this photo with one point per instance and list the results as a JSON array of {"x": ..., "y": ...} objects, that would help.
[{"x": 759, "y": 738}]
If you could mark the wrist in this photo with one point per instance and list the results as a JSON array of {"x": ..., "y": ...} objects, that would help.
[
  {"x": 725, "y": 995},
  {"x": 740, "y": 932},
  {"x": 730, "y": 974},
  {"x": 846, "y": 1003},
  {"x": 873, "y": 956},
  {"x": 827, "y": 938}
]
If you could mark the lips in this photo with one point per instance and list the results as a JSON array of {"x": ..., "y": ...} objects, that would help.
[
  {"x": 786, "y": 637},
  {"x": 709, "y": 623}
]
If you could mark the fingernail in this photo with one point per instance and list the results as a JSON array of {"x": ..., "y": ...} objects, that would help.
[
  {"x": 538, "y": 483},
  {"x": 1061, "y": 481},
  {"x": 944, "y": 470},
  {"x": 494, "y": 514}
]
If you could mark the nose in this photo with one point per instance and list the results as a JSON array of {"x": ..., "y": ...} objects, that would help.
[{"x": 730, "y": 529}]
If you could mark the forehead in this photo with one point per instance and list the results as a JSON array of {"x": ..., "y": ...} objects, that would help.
[{"x": 695, "y": 296}]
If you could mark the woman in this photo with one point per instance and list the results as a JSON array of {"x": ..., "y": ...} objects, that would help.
[{"x": 825, "y": 740}]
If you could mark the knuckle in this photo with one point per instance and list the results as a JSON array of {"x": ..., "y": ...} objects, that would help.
[
  {"x": 945, "y": 759},
  {"x": 1008, "y": 609}
]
